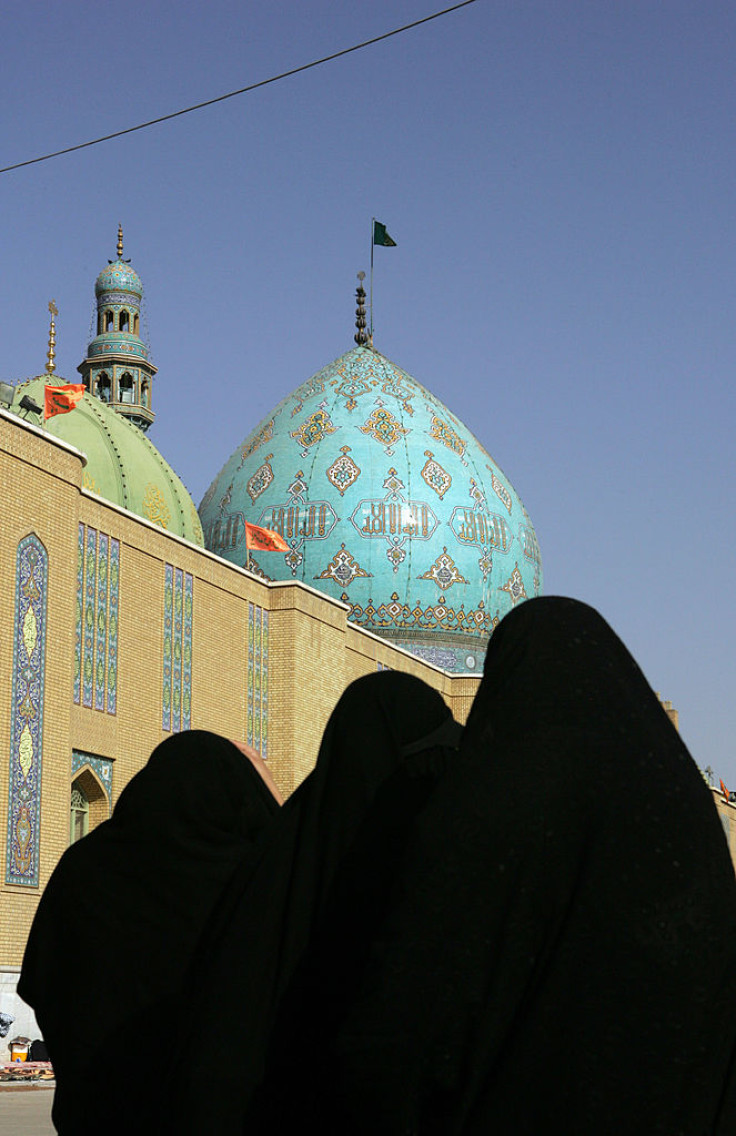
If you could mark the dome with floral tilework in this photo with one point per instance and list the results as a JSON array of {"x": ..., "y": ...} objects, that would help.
[
  {"x": 388, "y": 503},
  {"x": 119, "y": 277}
]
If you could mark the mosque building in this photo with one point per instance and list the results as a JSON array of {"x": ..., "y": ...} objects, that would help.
[{"x": 132, "y": 615}]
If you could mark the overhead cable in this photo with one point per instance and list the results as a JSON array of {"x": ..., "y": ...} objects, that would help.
[{"x": 240, "y": 91}]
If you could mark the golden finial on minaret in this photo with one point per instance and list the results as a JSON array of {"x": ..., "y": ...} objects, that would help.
[
  {"x": 50, "y": 364},
  {"x": 120, "y": 242}
]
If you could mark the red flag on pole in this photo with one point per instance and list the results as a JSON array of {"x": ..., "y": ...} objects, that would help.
[
  {"x": 724, "y": 790},
  {"x": 265, "y": 540},
  {"x": 60, "y": 400}
]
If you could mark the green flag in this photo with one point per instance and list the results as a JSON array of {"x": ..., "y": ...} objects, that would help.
[{"x": 381, "y": 237}]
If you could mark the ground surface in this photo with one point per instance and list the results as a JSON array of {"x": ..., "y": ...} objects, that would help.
[{"x": 26, "y": 1111}]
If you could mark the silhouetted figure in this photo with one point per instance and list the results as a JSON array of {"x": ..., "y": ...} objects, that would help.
[
  {"x": 387, "y": 742},
  {"x": 117, "y": 925},
  {"x": 559, "y": 952}
]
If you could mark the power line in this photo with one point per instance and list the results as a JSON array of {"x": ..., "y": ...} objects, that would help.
[{"x": 241, "y": 91}]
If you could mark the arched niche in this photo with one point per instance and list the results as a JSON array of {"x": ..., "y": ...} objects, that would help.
[
  {"x": 127, "y": 387},
  {"x": 104, "y": 390},
  {"x": 89, "y": 803}
]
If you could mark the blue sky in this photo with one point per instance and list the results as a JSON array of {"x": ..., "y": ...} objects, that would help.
[{"x": 560, "y": 180}]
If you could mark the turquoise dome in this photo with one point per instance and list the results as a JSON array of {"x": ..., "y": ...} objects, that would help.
[
  {"x": 119, "y": 277},
  {"x": 388, "y": 503}
]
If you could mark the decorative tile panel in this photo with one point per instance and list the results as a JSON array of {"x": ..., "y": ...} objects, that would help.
[
  {"x": 343, "y": 471},
  {"x": 449, "y": 437},
  {"x": 168, "y": 637},
  {"x": 112, "y": 627},
  {"x": 264, "y": 686},
  {"x": 444, "y": 572},
  {"x": 26, "y": 713},
  {"x": 257, "y": 654},
  {"x": 384, "y": 428},
  {"x": 261, "y": 479},
  {"x": 435, "y": 476},
  {"x": 264, "y": 435},
  {"x": 394, "y": 519},
  {"x": 186, "y": 651},
  {"x": 78, "y": 618},
  {"x": 351, "y": 389},
  {"x": 343, "y": 568},
  {"x": 298, "y": 520},
  {"x": 154, "y": 506},
  {"x": 441, "y": 616},
  {"x": 88, "y": 666},
  {"x": 177, "y": 652},
  {"x": 515, "y": 586},
  {"x": 176, "y": 694},
  {"x": 500, "y": 489},
  {"x": 101, "y": 766},
  {"x": 257, "y": 692},
  {"x": 313, "y": 429},
  {"x": 96, "y": 622},
  {"x": 101, "y": 621}
]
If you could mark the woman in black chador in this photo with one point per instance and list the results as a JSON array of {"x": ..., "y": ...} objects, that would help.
[
  {"x": 387, "y": 742},
  {"x": 558, "y": 954},
  {"x": 118, "y": 922}
]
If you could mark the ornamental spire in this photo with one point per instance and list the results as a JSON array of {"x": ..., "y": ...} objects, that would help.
[
  {"x": 51, "y": 354},
  {"x": 361, "y": 336},
  {"x": 120, "y": 242}
]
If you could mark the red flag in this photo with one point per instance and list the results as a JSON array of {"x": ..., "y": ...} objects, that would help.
[
  {"x": 265, "y": 540},
  {"x": 60, "y": 400},
  {"x": 724, "y": 790}
]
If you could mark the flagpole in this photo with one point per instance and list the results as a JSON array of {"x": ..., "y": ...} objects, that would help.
[{"x": 373, "y": 230}]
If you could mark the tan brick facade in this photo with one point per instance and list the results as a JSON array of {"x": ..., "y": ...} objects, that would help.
[
  {"x": 312, "y": 653},
  {"x": 727, "y": 814}
]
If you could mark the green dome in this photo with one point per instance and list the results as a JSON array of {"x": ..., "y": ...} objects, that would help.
[{"x": 122, "y": 465}]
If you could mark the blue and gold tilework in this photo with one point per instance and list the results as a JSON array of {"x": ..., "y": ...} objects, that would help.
[
  {"x": 101, "y": 766},
  {"x": 96, "y": 620},
  {"x": 177, "y": 649},
  {"x": 257, "y": 689},
  {"x": 388, "y": 503},
  {"x": 26, "y": 712}
]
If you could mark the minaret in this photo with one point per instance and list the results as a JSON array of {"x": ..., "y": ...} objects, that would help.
[{"x": 117, "y": 369}]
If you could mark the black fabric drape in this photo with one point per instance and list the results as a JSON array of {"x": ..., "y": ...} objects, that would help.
[
  {"x": 117, "y": 924},
  {"x": 268, "y": 919},
  {"x": 559, "y": 953}
]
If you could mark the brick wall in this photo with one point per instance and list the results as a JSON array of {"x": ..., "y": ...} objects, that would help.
[{"x": 289, "y": 677}]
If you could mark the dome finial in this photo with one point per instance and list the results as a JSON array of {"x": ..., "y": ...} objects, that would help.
[
  {"x": 120, "y": 242},
  {"x": 51, "y": 354},
  {"x": 361, "y": 336}
]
